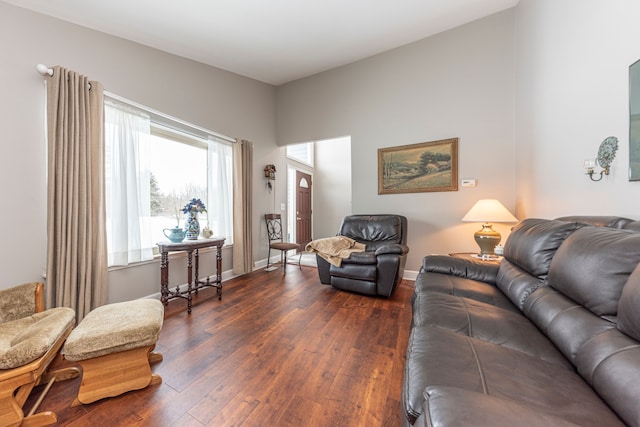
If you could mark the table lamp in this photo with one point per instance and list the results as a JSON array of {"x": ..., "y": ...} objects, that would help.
[{"x": 486, "y": 211}]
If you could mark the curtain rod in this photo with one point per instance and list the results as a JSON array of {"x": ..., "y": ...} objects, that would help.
[
  {"x": 44, "y": 71},
  {"x": 168, "y": 117}
]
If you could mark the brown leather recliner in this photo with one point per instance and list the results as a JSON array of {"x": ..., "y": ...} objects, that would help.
[{"x": 379, "y": 269}]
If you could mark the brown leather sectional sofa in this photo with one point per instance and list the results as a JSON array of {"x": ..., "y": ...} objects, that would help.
[{"x": 550, "y": 337}]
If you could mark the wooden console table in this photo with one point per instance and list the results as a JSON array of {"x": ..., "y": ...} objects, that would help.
[{"x": 193, "y": 283}]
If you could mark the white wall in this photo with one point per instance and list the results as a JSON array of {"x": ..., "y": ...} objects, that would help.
[
  {"x": 331, "y": 185},
  {"x": 530, "y": 92},
  {"x": 218, "y": 100},
  {"x": 455, "y": 84},
  {"x": 571, "y": 93}
]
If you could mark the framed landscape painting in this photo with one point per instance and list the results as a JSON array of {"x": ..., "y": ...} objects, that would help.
[{"x": 417, "y": 168}]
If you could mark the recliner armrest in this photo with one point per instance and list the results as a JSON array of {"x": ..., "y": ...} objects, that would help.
[
  {"x": 392, "y": 248},
  {"x": 461, "y": 267}
]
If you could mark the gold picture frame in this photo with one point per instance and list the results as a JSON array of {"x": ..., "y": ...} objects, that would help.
[{"x": 417, "y": 168}]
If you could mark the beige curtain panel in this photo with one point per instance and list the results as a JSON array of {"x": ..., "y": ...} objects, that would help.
[
  {"x": 76, "y": 231},
  {"x": 242, "y": 207}
]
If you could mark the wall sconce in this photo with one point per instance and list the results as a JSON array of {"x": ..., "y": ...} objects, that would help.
[{"x": 606, "y": 154}]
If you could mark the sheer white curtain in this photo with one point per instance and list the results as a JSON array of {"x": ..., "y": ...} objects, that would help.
[
  {"x": 128, "y": 206},
  {"x": 220, "y": 206}
]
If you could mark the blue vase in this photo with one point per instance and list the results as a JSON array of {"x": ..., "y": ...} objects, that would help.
[{"x": 192, "y": 226}]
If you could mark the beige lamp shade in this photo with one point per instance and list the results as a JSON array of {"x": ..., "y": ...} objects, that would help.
[
  {"x": 486, "y": 211},
  {"x": 489, "y": 210}
]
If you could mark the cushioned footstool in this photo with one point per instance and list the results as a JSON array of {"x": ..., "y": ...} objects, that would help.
[{"x": 114, "y": 346}]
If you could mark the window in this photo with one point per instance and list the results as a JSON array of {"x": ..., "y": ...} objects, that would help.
[
  {"x": 154, "y": 165},
  {"x": 302, "y": 153}
]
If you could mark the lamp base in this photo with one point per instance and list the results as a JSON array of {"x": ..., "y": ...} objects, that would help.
[{"x": 487, "y": 238}]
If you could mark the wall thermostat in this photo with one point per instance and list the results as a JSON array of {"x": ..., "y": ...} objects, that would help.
[{"x": 468, "y": 183}]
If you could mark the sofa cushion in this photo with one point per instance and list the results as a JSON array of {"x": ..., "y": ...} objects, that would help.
[
  {"x": 484, "y": 322},
  {"x": 24, "y": 340},
  {"x": 629, "y": 306},
  {"x": 610, "y": 221},
  {"x": 115, "y": 328},
  {"x": 633, "y": 226},
  {"x": 463, "y": 287},
  {"x": 593, "y": 265},
  {"x": 437, "y": 357},
  {"x": 533, "y": 243},
  {"x": 567, "y": 324},
  {"x": 450, "y": 406},
  {"x": 610, "y": 362}
]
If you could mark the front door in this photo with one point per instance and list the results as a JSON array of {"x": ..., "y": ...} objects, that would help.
[{"x": 303, "y": 209}]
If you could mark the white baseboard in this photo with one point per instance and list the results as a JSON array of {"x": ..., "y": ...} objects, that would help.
[
  {"x": 410, "y": 275},
  {"x": 291, "y": 259},
  {"x": 226, "y": 275}
]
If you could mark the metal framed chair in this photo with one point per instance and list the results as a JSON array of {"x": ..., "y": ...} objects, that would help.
[{"x": 274, "y": 233}]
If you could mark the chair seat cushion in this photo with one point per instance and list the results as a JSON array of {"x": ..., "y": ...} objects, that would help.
[
  {"x": 113, "y": 328},
  {"x": 359, "y": 266},
  {"x": 26, "y": 339},
  {"x": 284, "y": 246}
]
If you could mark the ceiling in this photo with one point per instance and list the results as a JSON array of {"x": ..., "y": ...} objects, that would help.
[{"x": 273, "y": 41}]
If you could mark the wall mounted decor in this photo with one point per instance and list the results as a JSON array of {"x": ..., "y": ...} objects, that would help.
[
  {"x": 270, "y": 172},
  {"x": 634, "y": 121},
  {"x": 416, "y": 168},
  {"x": 606, "y": 154}
]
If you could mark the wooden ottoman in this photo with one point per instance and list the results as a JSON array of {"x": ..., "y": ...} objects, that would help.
[{"x": 113, "y": 344}]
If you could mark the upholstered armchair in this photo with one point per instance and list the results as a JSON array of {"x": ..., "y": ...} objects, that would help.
[
  {"x": 377, "y": 270},
  {"x": 30, "y": 342}
]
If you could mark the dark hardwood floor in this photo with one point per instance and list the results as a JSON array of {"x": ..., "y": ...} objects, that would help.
[{"x": 278, "y": 350}]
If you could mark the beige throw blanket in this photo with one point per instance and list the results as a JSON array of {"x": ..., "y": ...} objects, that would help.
[{"x": 335, "y": 249}]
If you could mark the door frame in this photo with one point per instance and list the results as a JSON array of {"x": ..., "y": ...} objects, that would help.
[{"x": 292, "y": 167}]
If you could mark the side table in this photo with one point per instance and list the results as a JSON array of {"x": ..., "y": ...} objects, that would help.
[
  {"x": 191, "y": 247},
  {"x": 491, "y": 259}
]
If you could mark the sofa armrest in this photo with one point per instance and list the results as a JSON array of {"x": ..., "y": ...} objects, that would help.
[
  {"x": 21, "y": 301},
  {"x": 392, "y": 248},
  {"x": 450, "y": 406},
  {"x": 462, "y": 267}
]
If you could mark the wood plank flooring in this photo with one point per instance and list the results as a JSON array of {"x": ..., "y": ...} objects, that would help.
[{"x": 278, "y": 350}]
